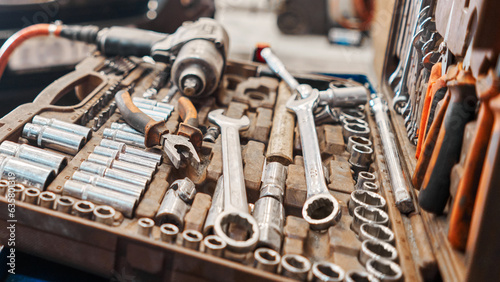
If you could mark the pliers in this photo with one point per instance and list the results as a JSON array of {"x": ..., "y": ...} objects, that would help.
[{"x": 181, "y": 147}]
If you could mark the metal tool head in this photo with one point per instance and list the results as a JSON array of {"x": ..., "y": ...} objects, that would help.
[
  {"x": 309, "y": 102},
  {"x": 218, "y": 117},
  {"x": 231, "y": 224},
  {"x": 321, "y": 211},
  {"x": 174, "y": 145}
]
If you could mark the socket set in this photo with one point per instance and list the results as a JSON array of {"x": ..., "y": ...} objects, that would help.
[{"x": 93, "y": 187}]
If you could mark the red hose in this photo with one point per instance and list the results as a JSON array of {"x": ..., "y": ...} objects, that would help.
[{"x": 19, "y": 37}]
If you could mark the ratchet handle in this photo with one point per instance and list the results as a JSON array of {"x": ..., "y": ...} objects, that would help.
[
  {"x": 153, "y": 130},
  {"x": 435, "y": 188}
]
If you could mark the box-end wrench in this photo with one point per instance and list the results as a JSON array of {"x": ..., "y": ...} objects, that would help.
[
  {"x": 321, "y": 210},
  {"x": 399, "y": 188},
  {"x": 235, "y": 198}
]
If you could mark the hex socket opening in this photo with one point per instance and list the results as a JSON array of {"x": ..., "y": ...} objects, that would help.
[
  {"x": 357, "y": 128},
  {"x": 239, "y": 230},
  {"x": 65, "y": 201},
  {"x": 146, "y": 222},
  {"x": 362, "y": 149},
  {"x": 32, "y": 192},
  {"x": 368, "y": 198},
  {"x": 320, "y": 208},
  {"x": 360, "y": 140},
  {"x": 18, "y": 187},
  {"x": 296, "y": 263},
  {"x": 370, "y": 186},
  {"x": 47, "y": 196},
  {"x": 192, "y": 235},
  {"x": 384, "y": 269},
  {"x": 373, "y": 214},
  {"x": 169, "y": 229},
  {"x": 367, "y": 176},
  {"x": 267, "y": 256},
  {"x": 359, "y": 276},
  {"x": 381, "y": 249},
  {"x": 105, "y": 211},
  {"x": 326, "y": 271},
  {"x": 376, "y": 231}
]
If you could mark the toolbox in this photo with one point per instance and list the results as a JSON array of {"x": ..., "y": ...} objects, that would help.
[{"x": 128, "y": 238}]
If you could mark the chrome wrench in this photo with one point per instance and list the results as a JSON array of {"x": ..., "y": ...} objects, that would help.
[
  {"x": 321, "y": 210},
  {"x": 235, "y": 198}
]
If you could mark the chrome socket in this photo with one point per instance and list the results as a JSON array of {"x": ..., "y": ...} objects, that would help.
[
  {"x": 62, "y": 125},
  {"x": 31, "y": 195},
  {"x": 100, "y": 196},
  {"x": 48, "y": 137},
  {"x": 348, "y": 120},
  {"x": 125, "y": 137},
  {"x": 155, "y": 115},
  {"x": 47, "y": 200},
  {"x": 26, "y": 172},
  {"x": 364, "y": 176},
  {"x": 214, "y": 245},
  {"x": 295, "y": 267},
  {"x": 84, "y": 209},
  {"x": 327, "y": 271},
  {"x": 152, "y": 103},
  {"x": 64, "y": 204},
  {"x": 145, "y": 226},
  {"x": 345, "y": 96},
  {"x": 159, "y": 111},
  {"x": 191, "y": 239},
  {"x": 33, "y": 154},
  {"x": 18, "y": 190},
  {"x": 4, "y": 186},
  {"x": 366, "y": 198},
  {"x": 361, "y": 157},
  {"x": 384, "y": 270},
  {"x": 104, "y": 215},
  {"x": 266, "y": 259},
  {"x": 168, "y": 233},
  {"x": 367, "y": 214},
  {"x": 359, "y": 276},
  {"x": 273, "y": 181},
  {"x": 216, "y": 208},
  {"x": 375, "y": 249},
  {"x": 115, "y": 174},
  {"x": 270, "y": 216},
  {"x": 125, "y": 166},
  {"x": 373, "y": 231},
  {"x": 352, "y": 114},
  {"x": 370, "y": 186},
  {"x": 124, "y": 127},
  {"x": 357, "y": 140},
  {"x": 355, "y": 129},
  {"x": 117, "y": 155},
  {"x": 212, "y": 134},
  {"x": 110, "y": 184},
  {"x": 176, "y": 202},
  {"x": 122, "y": 147}
]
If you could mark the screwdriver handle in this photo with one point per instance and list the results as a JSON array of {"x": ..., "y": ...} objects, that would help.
[
  {"x": 435, "y": 190},
  {"x": 153, "y": 130}
]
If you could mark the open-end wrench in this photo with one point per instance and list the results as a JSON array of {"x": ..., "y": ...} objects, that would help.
[
  {"x": 235, "y": 197},
  {"x": 321, "y": 210}
]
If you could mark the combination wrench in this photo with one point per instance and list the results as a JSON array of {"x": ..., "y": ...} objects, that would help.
[
  {"x": 321, "y": 210},
  {"x": 235, "y": 211}
]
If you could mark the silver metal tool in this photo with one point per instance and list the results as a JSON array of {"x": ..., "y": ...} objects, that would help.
[
  {"x": 101, "y": 196},
  {"x": 351, "y": 114},
  {"x": 191, "y": 239},
  {"x": 4, "y": 185},
  {"x": 266, "y": 259},
  {"x": 155, "y": 103},
  {"x": 104, "y": 215},
  {"x": 273, "y": 181},
  {"x": 168, "y": 233},
  {"x": 47, "y": 199},
  {"x": 327, "y": 271},
  {"x": 212, "y": 134},
  {"x": 357, "y": 140},
  {"x": 235, "y": 198},
  {"x": 171, "y": 143},
  {"x": 176, "y": 202},
  {"x": 128, "y": 167},
  {"x": 117, "y": 155},
  {"x": 110, "y": 184},
  {"x": 361, "y": 158},
  {"x": 145, "y": 226},
  {"x": 364, "y": 176},
  {"x": 270, "y": 215},
  {"x": 384, "y": 269},
  {"x": 373, "y": 231},
  {"x": 116, "y": 174},
  {"x": 375, "y": 249},
  {"x": 365, "y": 198},
  {"x": 368, "y": 214},
  {"x": 125, "y": 137},
  {"x": 62, "y": 125},
  {"x": 398, "y": 182},
  {"x": 359, "y": 276},
  {"x": 295, "y": 266},
  {"x": 34, "y": 154},
  {"x": 216, "y": 208},
  {"x": 321, "y": 210},
  {"x": 131, "y": 150},
  {"x": 53, "y": 138},
  {"x": 355, "y": 129},
  {"x": 64, "y": 204},
  {"x": 31, "y": 195},
  {"x": 84, "y": 209},
  {"x": 214, "y": 245},
  {"x": 370, "y": 186},
  {"x": 359, "y": 121},
  {"x": 18, "y": 190},
  {"x": 26, "y": 172},
  {"x": 157, "y": 110},
  {"x": 124, "y": 127},
  {"x": 156, "y": 116}
]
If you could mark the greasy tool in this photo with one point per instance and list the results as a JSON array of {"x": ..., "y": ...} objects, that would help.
[
  {"x": 176, "y": 147},
  {"x": 398, "y": 182},
  {"x": 321, "y": 210},
  {"x": 235, "y": 215},
  {"x": 463, "y": 205},
  {"x": 176, "y": 202},
  {"x": 435, "y": 191}
]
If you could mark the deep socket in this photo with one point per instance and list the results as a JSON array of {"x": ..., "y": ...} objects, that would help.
[
  {"x": 48, "y": 137},
  {"x": 176, "y": 202},
  {"x": 125, "y": 127},
  {"x": 26, "y": 172},
  {"x": 62, "y": 125},
  {"x": 364, "y": 176},
  {"x": 273, "y": 181},
  {"x": 33, "y": 154},
  {"x": 373, "y": 231},
  {"x": 295, "y": 267},
  {"x": 108, "y": 183},
  {"x": 122, "y": 147},
  {"x": 116, "y": 174},
  {"x": 128, "y": 167},
  {"x": 368, "y": 214},
  {"x": 365, "y": 198},
  {"x": 152, "y": 102},
  {"x": 101, "y": 196},
  {"x": 117, "y": 155},
  {"x": 125, "y": 137},
  {"x": 355, "y": 129},
  {"x": 384, "y": 270},
  {"x": 361, "y": 157},
  {"x": 270, "y": 215}
]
